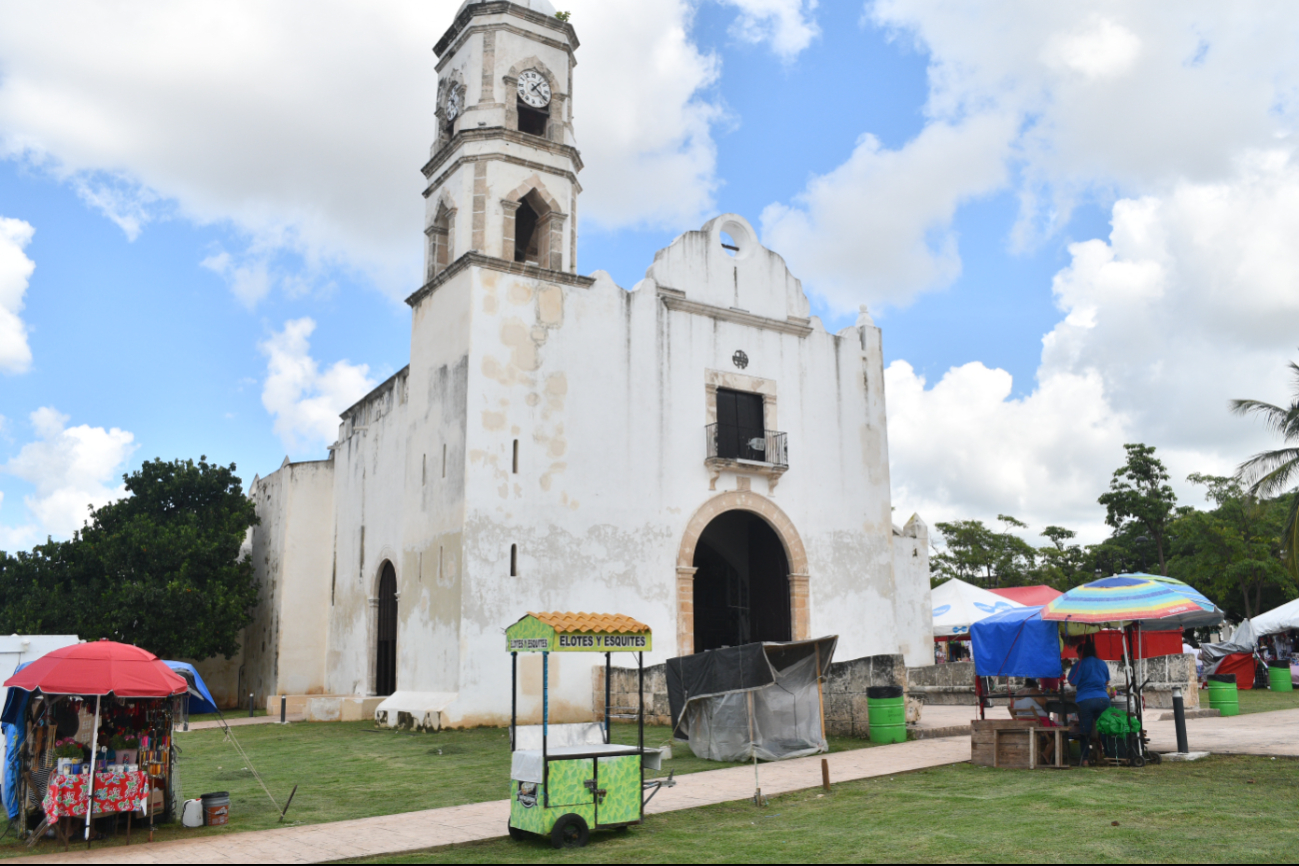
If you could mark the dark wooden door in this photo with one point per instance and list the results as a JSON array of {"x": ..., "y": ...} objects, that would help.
[
  {"x": 739, "y": 423},
  {"x": 385, "y": 675}
]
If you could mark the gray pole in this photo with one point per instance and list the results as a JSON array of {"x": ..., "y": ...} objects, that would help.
[{"x": 1179, "y": 718}]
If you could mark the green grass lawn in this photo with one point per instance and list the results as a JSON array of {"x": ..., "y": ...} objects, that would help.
[
  {"x": 1221, "y": 809},
  {"x": 354, "y": 770},
  {"x": 1261, "y": 700}
]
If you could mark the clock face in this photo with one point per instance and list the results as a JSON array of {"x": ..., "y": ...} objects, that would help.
[
  {"x": 453, "y": 104},
  {"x": 533, "y": 89}
]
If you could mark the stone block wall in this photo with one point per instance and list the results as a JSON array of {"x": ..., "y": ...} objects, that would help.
[
  {"x": 953, "y": 683},
  {"x": 844, "y": 692}
]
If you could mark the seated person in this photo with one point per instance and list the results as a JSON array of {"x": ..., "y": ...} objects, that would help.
[{"x": 1029, "y": 704}]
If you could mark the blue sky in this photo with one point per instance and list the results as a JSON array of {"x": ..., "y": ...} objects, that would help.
[{"x": 1114, "y": 181}]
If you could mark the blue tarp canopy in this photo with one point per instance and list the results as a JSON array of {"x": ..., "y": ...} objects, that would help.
[
  {"x": 15, "y": 735},
  {"x": 1016, "y": 643},
  {"x": 198, "y": 703}
]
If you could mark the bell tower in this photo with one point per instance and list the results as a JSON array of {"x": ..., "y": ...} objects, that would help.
[{"x": 502, "y": 173}]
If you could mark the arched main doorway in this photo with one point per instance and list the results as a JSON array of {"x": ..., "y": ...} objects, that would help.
[
  {"x": 741, "y": 583},
  {"x": 385, "y": 671}
]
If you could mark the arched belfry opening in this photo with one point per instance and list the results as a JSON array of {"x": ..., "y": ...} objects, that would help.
[
  {"x": 385, "y": 670},
  {"x": 526, "y": 241},
  {"x": 741, "y": 583},
  {"x": 533, "y": 229}
]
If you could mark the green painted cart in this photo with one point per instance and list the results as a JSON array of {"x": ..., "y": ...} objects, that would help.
[{"x": 567, "y": 780}]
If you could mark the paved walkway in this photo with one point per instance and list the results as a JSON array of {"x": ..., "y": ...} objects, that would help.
[
  {"x": 1275, "y": 733},
  {"x": 393, "y": 834},
  {"x": 239, "y": 722}
]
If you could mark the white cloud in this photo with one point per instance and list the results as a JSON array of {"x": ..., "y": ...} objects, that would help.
[
  {"x": 304, "y": 401},
  {"x": 788, "y": 25},
  {"x": 878, "y": 228},
  {"x": 1191, "y": 302},
  {"x": 72, "y": 469},
  {"x": 304, "y": 124},
  {"x": 250, "y": 282},
  {"x": 15, "y": 270}
]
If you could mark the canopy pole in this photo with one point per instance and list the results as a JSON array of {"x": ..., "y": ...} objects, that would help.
[
  {"x": 90, "y": 785},
  {"x": 820, "y": 697},
  {"x": 545, "y": 725},
  {"x": 514, "y": 697}
]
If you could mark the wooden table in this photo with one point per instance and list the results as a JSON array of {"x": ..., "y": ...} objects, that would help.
[{"x": 1034, "y": 734}]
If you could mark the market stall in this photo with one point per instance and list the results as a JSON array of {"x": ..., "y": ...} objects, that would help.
[
  {"x": 957, "y": 605},
  {"x": 567, "y": 780},
  {"x": 1129, "y": 603},
  {"x": 94, "y": 724}
]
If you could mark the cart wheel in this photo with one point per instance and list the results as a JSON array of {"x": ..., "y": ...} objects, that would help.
[
  {"x": 1155, "y": 757},
  {"x": 517, "y": 835},
  {"x": 570, "y": 831}
]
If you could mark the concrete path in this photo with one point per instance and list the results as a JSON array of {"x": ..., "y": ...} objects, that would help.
[
  {"x": 1274, "y": 734},
  {"x": 393, "y": 834},
  {"x": 239, "y": 722}
]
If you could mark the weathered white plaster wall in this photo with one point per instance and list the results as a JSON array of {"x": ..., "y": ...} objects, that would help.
[{"x": 913, "y": 603}]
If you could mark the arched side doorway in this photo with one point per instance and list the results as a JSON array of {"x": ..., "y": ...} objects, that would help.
[
  {"x": 385, "y": 668},
  {"x": 730, "y": 534},
  {"x": 741, "y": 583}
]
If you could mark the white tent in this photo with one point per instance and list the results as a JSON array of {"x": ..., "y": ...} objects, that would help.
[
  {"x": 1277, "y": 620},
  {"x": 958, "y": 605}
]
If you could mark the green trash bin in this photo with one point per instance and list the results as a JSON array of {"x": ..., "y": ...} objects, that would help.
[
  {"x": 887, "y": 708},
  {"x": 1278, "y": 677},
  {"x": 1222, "y": 694}
]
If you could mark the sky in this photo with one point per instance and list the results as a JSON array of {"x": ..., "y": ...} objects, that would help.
[{"x": 1074, "y": 223}]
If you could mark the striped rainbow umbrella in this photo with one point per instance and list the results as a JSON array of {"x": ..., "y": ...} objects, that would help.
[{"x": 1127, "y": 598}]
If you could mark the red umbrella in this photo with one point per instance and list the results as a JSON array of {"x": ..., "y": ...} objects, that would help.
[{"x": 100, "y": 668}]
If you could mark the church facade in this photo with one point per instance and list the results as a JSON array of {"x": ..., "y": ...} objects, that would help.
[{"x": 697, "y": 452}]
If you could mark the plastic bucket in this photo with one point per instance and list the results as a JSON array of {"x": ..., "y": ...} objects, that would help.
[
  {"x": 1222, "y": 694},
  {"x": 887, "y": 709},
  {"x": 216, "y": 809},
  {"x": 1278, "y": 678}
]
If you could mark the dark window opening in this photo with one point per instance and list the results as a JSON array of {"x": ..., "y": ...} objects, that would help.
[
  {"x": 515, "y": 468},
  {"x": 740, "y": 430},
  {"x": 525, "y": 233},
  {"x": 532, "y": 120},
  {"x": 514, "y": 560},
  {"x": 742, "y": 583},
  {"x": 385, "y": 673}
]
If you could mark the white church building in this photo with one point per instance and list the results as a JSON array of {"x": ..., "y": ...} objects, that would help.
[{"x": 696, "y": 451}]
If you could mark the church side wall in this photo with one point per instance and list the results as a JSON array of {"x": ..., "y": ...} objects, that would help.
[
  {"x": 261, "y": 637},
  {"x": 306, "y": 577},
  {"x": 369, "y": 475},
  {"x": 428, "y": 638},
  {"x": 912, "y": 605}
]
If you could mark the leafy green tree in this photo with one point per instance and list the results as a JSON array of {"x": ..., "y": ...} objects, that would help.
[
  {"x": 160, "y": 568},
  {"x": 1269, "y": 473},
  {"x": 982, "y": 556},
  {"x": 1060, "y": 564},
  {"x": 1140, "y": 494},
  {"x": 1233, "y": 554}
]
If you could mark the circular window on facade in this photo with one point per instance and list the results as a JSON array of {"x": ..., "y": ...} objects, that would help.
[{"x": 740, "y": 359}]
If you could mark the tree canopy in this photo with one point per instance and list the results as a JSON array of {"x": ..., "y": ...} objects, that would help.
[
  {"x": 1140, "y": 493},
  {"x": 160, "y": 569}
]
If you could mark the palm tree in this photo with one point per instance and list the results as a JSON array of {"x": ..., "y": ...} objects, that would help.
[{"x": 1269, "y": 473}]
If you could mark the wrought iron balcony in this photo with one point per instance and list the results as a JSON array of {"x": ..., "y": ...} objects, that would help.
[{"x": 729, "y": 442}]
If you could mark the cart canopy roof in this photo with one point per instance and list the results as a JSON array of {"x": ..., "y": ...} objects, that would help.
[{"x": 578, "y": 632}]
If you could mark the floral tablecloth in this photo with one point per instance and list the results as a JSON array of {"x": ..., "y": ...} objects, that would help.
[{"x": 114, "y": 792}]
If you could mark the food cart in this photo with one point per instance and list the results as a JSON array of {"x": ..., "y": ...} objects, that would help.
[
  {"x": 567, "y": 780},
  {"x": 59, "y": 704}
]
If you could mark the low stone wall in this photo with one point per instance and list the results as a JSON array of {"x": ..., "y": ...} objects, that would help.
[
  {"x": 953, "y": 683},
  {"x": 946, "y": 684},
  {"x": 844, "y": 692}
]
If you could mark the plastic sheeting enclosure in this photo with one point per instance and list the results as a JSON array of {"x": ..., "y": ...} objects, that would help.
[{"x": 759, "y": 700}]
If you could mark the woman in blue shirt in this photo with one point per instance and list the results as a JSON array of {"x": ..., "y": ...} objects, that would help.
[{"x": 1091, "y": 677}]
